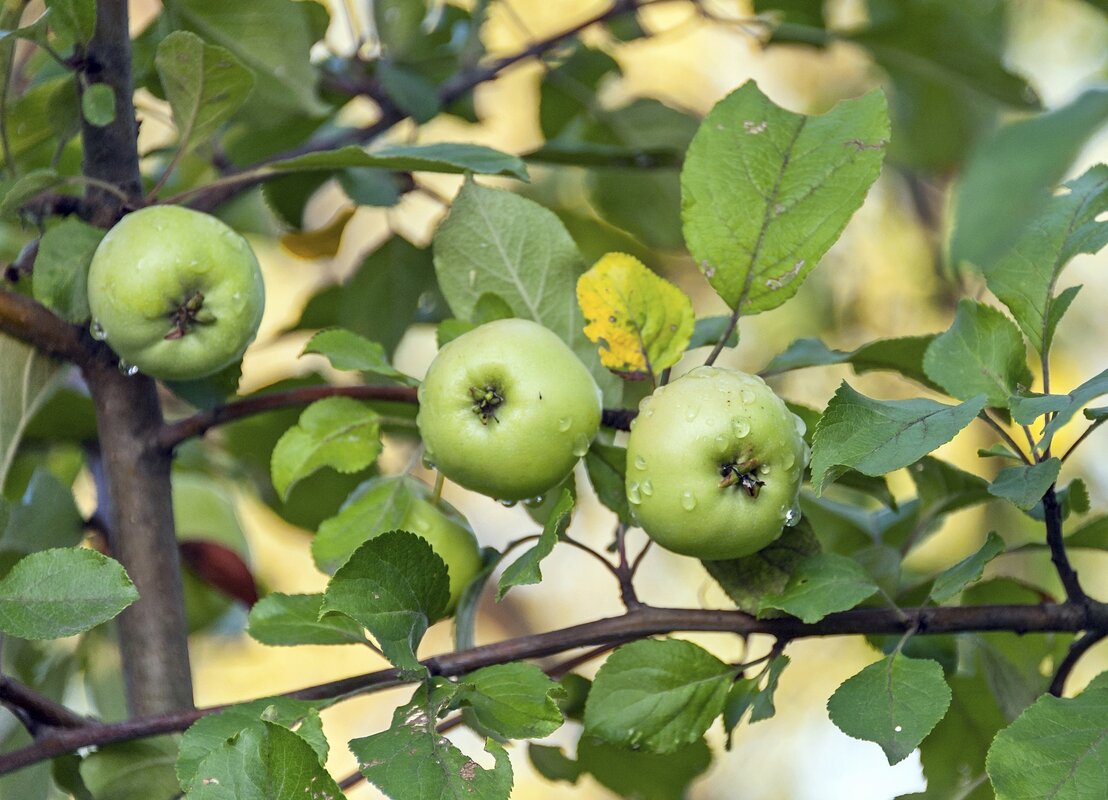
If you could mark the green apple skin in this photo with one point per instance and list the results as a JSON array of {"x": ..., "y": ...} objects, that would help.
[
  {"x": 714, "y": 464},
  {"x": 156, "y": 261},
  {"x": 545, "y": 411},
  {"x": 450, "y": 536}
]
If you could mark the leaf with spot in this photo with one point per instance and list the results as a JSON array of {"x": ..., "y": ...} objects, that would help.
[
  {"x": 336, "y": 432},
  {"x": 878, "y": 436},
  {"x": 412, "y": 761},
  {"x": 660, "y": 695},
  {"x": 641, "y": 321},
  {"x": 894, "y": 702},
  {"x": 765, "y": 192},
  {"x": 821, "y": 584}
]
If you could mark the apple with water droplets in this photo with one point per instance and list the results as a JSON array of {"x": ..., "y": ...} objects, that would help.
[
  {"x": 714, "y": 464},
  {"x": 175, "y": 292},
  {"x": 507, "y": 409}
]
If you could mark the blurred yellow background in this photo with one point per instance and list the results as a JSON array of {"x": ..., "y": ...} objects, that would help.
[{"x": 878, "y": 281}]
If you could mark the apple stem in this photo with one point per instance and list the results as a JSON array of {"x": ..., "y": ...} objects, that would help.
[
  {"x": 744, "y": 475},
  {"x": 486, "y": 399}
]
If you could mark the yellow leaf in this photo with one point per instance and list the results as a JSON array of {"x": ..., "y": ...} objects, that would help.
[
  {"x": 318, "y": 243},
  {"x": 642, "y": 322}
]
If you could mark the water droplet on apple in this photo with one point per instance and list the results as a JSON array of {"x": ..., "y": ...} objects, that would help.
[
  {"x": 633, "y": 493},
  {"x": 801, "y": 428},
  {"x": 721, "y": 441},
  {"x": 792, "y": 516},
  {"x": 649, "y": 412},
  {"x": 533, "y": 502},
  {"x": 640, "y": 462},
  {"x": 127, "y": 368},
  {"x": 580, "y": 445},
  {"x": 647, "y": 487},
  {"x": 789, "y": 460},
  {"x": 688, "y": 500},
  {"x": 741, "y": 428},
  {"x": 690, "y": 414},
  {"x": 564, "y": 423},
  {"x": 747, "y": 395},
  {"x": 507, "y": 503},
  {"x": 764, "y": 469},
  {"x": 97, "y": 331},
  {"x": 898, "y": 729}
]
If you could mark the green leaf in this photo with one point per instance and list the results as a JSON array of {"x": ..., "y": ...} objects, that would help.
[
  {"x": 1026, "y": 410},
  {"x": 61, "y": 268},
  {"x": 1026, "y": 485},
  {"x": 641, "y": 774},
  {"x": 45, "y": 517},
  {"x": 762, "y": 706},
  {"x": 1093, "y": 534},
  {"x": 26, "y": 188},
  {"x": 1024, "y": 276},
  {"x": 822, "y": 584},
  {"x": 517, "y": 701},
  {"x": 765, "y": 192},
  {"x": 290, "y": 619},
  {"x": 500, "y": 243},
  {"x": 660, "y": 695},
  {"x": 347, "y": 350},
  {"x": 60, "y": 592},
  {"x": 525, "y": 569},
  {"x": 1057, "y": 748},
  {"x": 376, "y": 506},
  {"x": 382, "y": 298},
  {"x": 273, "y": 39},
  {"x": 981, "y": 353},
  {"x": 1011, "y": 174},
  {"x": 709, "y": 330},
  {"x": 412, "y": 761},
  {"x": 266, "y": 762},
  {"x": 336, "y": 432},
  {"x": 746, "y": 580},
  {"x": 942, "y": 489},
  {"x": 395, "y": 586},
  {"x": 641, "y": 321},
  {"x": 568, "y": 90},
  {"x": 953, "y": 580},
  {"x": 443, "y": 157},
  {"x": 73, "y": 19},
  {"x": 607, "y": 468},
  {"x": 204, "y": 84},
  {"x": 903, "y": 355},
  {"x": 210, "y": 732},
  {"x": 413, "y": 94},
  {"x": 98, "y": 104},
  {"x": 552, "y": 763},
  {"x": 895, "y": 702},
  {"x": 875, "y": 437},
  {"x": 132, "y": 771}
]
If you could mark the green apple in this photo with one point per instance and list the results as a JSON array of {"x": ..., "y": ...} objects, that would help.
[
  {"x": 714, "y": 464},
  {"x": 175, "y": 293},
  {"x": 507, "y": 409},
  {"x": 449, "y": 535}
]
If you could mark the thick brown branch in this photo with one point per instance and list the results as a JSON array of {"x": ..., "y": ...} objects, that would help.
[
  {"x": 33, "y": 323},
  {"x": 450, "y": 91},
  {"x": 636, "y": 624},
  {"x": 1056, "y": 542}
]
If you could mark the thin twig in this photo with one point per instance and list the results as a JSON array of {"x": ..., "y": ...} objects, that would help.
[
  {"x": 1085, "y": 435},
  {"x": 1055, "y": 540},
  {"x": 1080, "y": 647},
  {"x": 1008, "y": 440}
]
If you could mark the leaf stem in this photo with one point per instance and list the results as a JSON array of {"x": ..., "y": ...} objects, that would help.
[{"x": 1008, "y": 440}]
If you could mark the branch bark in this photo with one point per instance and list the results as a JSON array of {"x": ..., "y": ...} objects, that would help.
[
  {"x": 635, "y": 624},
  {"x": 153, "y": 632}
]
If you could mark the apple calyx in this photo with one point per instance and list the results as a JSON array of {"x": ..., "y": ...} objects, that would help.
[
  {"x": 742, "y": 474},
  {"x": 185, "y": 316},
  {"x": 486, "y": 399}
]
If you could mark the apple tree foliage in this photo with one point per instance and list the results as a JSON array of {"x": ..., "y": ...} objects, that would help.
[{"x": 969, "y": 668}]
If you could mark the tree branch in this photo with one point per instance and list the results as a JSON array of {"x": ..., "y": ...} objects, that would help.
[
  {"x": 38, "y": 708},
  {"x": 1055, "y": 540},
  {"x": 451, "y": 90},
  {"x": 33, "y": 323},
  {"x": 1080, "y": 647},
  {"x": 635, "y": 624}
]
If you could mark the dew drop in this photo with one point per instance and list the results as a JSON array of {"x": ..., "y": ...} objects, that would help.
[
  {"x": 688, "y": 501},
  {"x": 741, "y": 428},
  {"x": 898, "y": 729},
  {"x": 801, "y": 428},
  {"x": 690, "y": 414},
  {"x": 647, "y": 487},
  {"x": 764, "y": 469},
  {"x": 507, "y": 503},
  {"x": 746, "y": 394},
  {"x": 640, "y": 462},
  {"x": 792, "y": 516},
  {"x": 633, "y": 493},
  {"x": 127, "y": 368},
  {"x": 97, "y": 331},
  {"x": 721, "y": 441},
  {"x": 534, "y": 502},
  {"x": 564, "y": 423},
  {"x": 649, "y": 412},
  {"x": 580, "y": 445},
  {"x": 789, "y": 460}
]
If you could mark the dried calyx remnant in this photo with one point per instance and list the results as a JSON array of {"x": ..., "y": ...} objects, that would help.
[
  {"x": 185, "y": 316},
  {"x": 486, "y": 399},
  {"x": 743, "y": 474}
]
